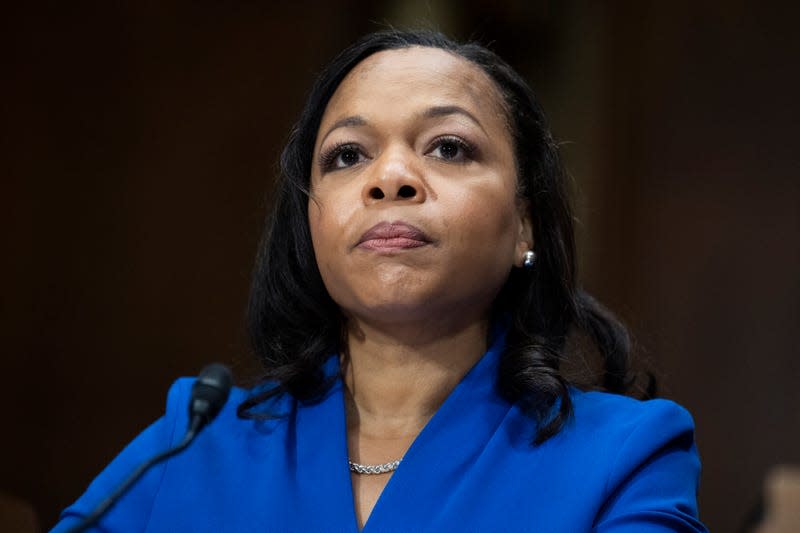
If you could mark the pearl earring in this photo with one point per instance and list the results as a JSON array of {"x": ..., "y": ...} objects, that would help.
[{"x": 528, "y": 259}]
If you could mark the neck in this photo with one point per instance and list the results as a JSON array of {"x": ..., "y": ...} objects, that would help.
[{"x": 397, "y": 381}]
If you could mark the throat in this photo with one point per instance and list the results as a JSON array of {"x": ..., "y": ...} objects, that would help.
[
  {"x": 393, "y": 387},
  {"x": 368, "y": 453}
]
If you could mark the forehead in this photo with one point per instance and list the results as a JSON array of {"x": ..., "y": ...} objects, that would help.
[{"x": 408, "y": 76}]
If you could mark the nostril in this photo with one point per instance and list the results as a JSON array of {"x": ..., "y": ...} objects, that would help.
[
  {"x": 376, "y": 194},
  {"x": 407, "y": 191}
]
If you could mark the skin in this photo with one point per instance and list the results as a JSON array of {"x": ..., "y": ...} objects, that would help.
[{"x": 416, "y": 136}]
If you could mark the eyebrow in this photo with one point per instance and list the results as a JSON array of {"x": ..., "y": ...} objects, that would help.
[
  {"x": 446, "y": 110},
  {"x": 355, "y": 120},
  {"x": 431, "y": 112}
]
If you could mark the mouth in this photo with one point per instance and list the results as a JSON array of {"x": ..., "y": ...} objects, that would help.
[{"x": 392, "y": 236}]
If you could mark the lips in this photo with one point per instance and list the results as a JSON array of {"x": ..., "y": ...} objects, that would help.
[{"x": 393, "y": 236}]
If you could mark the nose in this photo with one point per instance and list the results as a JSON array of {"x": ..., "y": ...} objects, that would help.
[{"x": 395, "y": 177}]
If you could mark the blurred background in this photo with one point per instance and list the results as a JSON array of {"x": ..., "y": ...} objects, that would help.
[{"x": 139, "y": 144}]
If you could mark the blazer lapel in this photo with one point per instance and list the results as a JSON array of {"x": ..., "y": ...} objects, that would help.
[{"x": 323, "y": 475}]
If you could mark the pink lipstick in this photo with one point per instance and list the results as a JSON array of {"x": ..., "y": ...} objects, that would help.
[{"x": 392, "y": 237}]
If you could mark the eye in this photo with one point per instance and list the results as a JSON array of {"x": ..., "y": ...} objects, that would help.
[
  {"x": 452, "y": 149},
  {"x": 341, "y": 156}
]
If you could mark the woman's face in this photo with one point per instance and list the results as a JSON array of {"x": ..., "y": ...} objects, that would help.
[{"x": 414, "y": 214}]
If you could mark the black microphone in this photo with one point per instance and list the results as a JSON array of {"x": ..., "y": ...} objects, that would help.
[{"x": 209, "y": 393}]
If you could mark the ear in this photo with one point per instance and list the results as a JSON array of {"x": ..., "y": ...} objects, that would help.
[{"x": 524, "y": 231}]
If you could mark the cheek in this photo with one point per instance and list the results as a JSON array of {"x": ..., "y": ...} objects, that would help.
[
  {"x": 328, "y": 222},
  {"x": 332, "y": 206},
  {"x": 321, "y": 233},
  {"x": 314, "y": 224},
  {"x": 489, "y": 221},
  {"x": 323, "y": 227},
  {"x": 319, "y": 227},
  {"x": 325, "y": 216}
]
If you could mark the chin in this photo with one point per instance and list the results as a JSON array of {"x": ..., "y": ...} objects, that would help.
[
  {"x": 396, "y": 310},
  {"x": 420, "y": 310}
]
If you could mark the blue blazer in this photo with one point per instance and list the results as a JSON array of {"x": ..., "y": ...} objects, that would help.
[{"x": 619, "y": 465}]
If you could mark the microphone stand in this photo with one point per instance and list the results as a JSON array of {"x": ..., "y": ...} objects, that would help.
[
  {"x": 209, "y": 394},
  {"x": 109, "y": 502}
]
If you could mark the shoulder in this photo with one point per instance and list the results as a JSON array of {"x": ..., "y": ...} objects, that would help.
[
  {"x": 228, "y": 424},
  {"x": 621, "y": 415},
  {"x": 626, "y": 431},
  {"x": 135, "y": 509},
  {"x": 646, "y": 453}
]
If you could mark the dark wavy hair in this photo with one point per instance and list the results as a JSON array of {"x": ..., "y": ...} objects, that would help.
[{"x": 295, "y": 326}]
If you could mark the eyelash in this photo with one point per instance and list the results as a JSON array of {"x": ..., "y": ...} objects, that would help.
[
  {"x": 467, "y": 149},
  {"x": 327, "y": 159}
]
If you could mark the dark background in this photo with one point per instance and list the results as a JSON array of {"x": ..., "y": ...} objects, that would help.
[{"x": 139, "y": 143}]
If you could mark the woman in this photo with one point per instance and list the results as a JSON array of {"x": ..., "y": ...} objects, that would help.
[{"x": 411, "y": 303}]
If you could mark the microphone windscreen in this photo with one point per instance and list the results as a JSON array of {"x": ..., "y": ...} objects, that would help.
[{"x": 210, "y": 392}]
